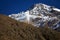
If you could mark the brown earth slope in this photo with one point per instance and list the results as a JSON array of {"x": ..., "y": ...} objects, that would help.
[{"x": 11, "y": 29}]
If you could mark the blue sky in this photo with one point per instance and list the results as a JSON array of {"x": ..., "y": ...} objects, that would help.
[{"x": 16, "y": 6}]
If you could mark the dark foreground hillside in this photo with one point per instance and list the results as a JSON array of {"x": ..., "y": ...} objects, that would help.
[{"x": 14, "y": 30}]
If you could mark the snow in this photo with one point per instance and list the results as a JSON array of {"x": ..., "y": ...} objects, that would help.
[
  {"x": 27, "y": 16},
  {"x": 9, "y": 15},
  {"x": 46, "y": 7},
  {"x": 37, "y": 12},
  {"x": 56, "y": 25},
  {"x": 56, "y": 9}
]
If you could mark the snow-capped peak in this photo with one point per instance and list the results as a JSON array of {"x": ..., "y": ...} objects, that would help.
[{"x": 38, "y": 16}]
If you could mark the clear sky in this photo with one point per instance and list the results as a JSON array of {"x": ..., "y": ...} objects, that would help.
[{"x": 16, "y": 6}]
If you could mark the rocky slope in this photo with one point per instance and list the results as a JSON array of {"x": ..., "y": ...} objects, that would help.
[{"x": 11, "y": 29}]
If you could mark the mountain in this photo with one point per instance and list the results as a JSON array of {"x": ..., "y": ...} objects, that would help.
[
  {"x": 11, "y": 29},
  {"x": 38, "y": 15}
]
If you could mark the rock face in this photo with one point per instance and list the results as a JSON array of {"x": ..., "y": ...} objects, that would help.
[
  {"x": 11, "y": 29},
  {"x": 38, "y": 15}
]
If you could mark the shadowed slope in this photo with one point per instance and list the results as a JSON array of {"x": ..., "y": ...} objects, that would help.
[{"x": 11, "y": 29}]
